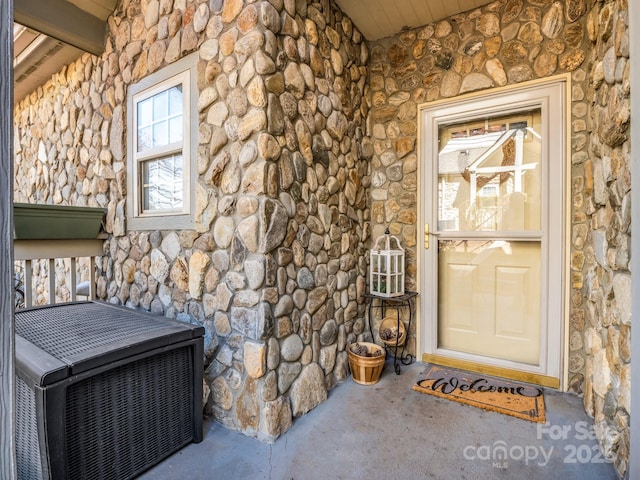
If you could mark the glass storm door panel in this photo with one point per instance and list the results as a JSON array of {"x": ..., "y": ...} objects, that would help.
[{"x": 489, "y": 217}]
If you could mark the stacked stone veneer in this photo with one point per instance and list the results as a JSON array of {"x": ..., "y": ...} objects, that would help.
[
  {"x": 274, "y": 268},
  {"x": 505, "y": 43},
  {"x": 276, "y": 264},
  {"x": 605, "y": 305}
]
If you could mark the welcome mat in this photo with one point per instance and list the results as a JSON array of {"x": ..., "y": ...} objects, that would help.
[{"x": 490, "y": 393}]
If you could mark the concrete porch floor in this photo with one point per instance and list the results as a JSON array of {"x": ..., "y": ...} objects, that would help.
[{"x": 388, "y": 430}]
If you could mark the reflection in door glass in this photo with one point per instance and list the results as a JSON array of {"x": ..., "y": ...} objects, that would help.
[{"x": 489, "y": 174}]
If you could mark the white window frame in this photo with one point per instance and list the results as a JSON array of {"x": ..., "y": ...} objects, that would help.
[{"x": 183, "y": 72}]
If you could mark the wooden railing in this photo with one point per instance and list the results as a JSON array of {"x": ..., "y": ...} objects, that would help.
[{"x": 30, "y": 250}]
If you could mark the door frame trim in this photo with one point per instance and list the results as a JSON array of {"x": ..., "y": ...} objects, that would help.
[
  {"x": 427, "y": 353},
  {"x": 492, "y": 370}
]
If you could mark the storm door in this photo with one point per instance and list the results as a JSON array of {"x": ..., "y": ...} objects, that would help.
[{"x": 493, "y": 174}]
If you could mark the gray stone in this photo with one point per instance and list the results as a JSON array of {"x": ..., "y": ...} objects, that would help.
[
  {"x": 328, "y": 358},
  {"x": 291, "y": 348},
  {"x": 223, "y": 297},
  {"x": 329, "y": 333},
  {"x": 273, "y": 220},
  {"x": 305, "y": 279},
  {"x": 170, "y": 245},
  {"x": 116, "y": 133},
  {"x": 316, "y": 299},
  {"x": 609, "y": 66},
  {"x": 299, "y": 298},
  {"x": 287, "y": 373},
  {"x": 622, "y": 291},
  {"x": 159, "y": 267},
  {"x": 284, "y": 306},
  {"x": 246, "y": 298},
  {"x": 255, "y": 273}
]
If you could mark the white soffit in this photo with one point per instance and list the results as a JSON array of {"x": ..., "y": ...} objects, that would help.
[{"x": 378, "y": 19}]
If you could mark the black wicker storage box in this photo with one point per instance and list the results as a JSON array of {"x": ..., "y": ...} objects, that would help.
[{"x": 103, "y": 392}]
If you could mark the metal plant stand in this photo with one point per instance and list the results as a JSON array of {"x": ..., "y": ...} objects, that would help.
[{"x": 399, "y": 302}]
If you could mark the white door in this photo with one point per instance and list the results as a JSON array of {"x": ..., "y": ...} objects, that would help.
[{"x": 492, "y": 263}]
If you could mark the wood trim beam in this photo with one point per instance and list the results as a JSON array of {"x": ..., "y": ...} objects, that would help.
[
  {"x": 7, "y": 345},
  {"x": 63, "y": 21}
]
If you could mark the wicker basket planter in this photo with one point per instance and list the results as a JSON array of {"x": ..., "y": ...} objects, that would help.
[
  {"x": 366, "y": 370},
  {"x": 391, "y": 333}
]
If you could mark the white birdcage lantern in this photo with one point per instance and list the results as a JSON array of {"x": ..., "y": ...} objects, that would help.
[{"x": 386, "y": 267}]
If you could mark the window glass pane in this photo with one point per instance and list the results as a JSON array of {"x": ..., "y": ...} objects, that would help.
[
  {"x": 160, "y": 106},
  {"x": 162, "y": 183},
  {"x": 145, "y": 113},
  {"x": 175, "y": 100},
  {"x": 175, "y": 129},
  {"x": 160, "y": 134},
  {"x": 490, "y": 174},
  {"x": 144, "y": 139},
  {"x": 160, "y": 119}
]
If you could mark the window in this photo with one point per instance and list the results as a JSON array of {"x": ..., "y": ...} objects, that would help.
[{"x": 161, "y": 136}]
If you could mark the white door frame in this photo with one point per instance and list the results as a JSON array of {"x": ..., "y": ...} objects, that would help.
[{"x": 551, "y": 95}]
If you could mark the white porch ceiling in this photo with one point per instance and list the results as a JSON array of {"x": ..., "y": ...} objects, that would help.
[
  {"x": 53, "y": 33},
  {"x": 381, "y": 18}
]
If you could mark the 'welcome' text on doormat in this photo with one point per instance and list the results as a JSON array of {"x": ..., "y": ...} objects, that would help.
[{"x": 495, "y": 394}]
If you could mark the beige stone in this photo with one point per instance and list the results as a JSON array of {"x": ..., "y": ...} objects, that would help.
[
  {"x": 545, "y": 64},
  {"x": 624, "y": 397},
  {"x": 552, "y": 21},
  {"x": 248, "y": 231},
  {"x": 475, "y": 81},
  {"x": 223, "y": 231},
  {"x": 221, "y": 393},
  {"x": 179, "y": 274},
  {"x": 227, "y": 41},
  {"x": 514, "y": 52},
  {"x": 488, "y": 24},
  {"x": 451, "y": 83},
  {"x": 601, "y": 373},
  {"x": 248, "y": 19},
  {"x": 511, "y": 10},
  {"x": 255, "y": 359},
  {"x": 496, "y": 71},
  {"x": 198, "y": 264}
]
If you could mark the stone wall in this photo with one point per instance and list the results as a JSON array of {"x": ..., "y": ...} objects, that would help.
[
  {"x": 289, "y": 174},
  {"x": 605, "y": 304},
  {"x": 504, "y": 43},
  {"x": 274, "y": 266}
]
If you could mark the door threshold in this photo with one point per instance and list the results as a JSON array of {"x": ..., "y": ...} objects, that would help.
[{"x": 525, "y": 377}]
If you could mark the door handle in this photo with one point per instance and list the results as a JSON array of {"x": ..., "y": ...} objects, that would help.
[{"x": 427, "y": 233}]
